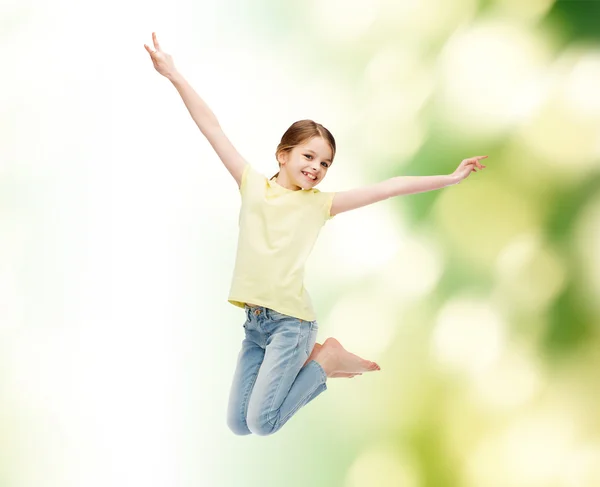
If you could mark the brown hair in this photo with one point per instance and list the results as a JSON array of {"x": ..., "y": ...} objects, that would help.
[{"x": 301, "y": 131}]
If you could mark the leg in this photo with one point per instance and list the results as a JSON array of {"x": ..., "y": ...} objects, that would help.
[
  {"x": 283, "y": 384},
  {"x": 249, "y": 361}
]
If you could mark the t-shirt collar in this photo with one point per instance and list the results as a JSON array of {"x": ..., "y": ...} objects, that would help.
[{"x": 277, "y": 187}]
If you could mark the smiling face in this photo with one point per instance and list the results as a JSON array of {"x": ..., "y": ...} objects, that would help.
[{"x": 305, "y": 165}]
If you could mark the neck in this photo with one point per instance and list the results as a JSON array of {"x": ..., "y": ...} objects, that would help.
[{"x": 284, "y": 185}]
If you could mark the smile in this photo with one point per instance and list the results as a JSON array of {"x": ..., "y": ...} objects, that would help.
[{"x": 309, "y": 176}]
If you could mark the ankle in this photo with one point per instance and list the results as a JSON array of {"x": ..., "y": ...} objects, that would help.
[{"x": 326, "y": 360}]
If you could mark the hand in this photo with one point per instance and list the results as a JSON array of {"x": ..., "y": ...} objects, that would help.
[
  {"x": 163, "y": 62},
  {"x": 466, "y": 167}
]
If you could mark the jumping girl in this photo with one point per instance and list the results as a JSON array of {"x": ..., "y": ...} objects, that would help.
[{"x": 280, "y": 367}]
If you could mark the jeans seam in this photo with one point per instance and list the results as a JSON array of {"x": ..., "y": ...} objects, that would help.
[
  {"x": 312, "y": 327},
  {"x": 296, "y": 348},
  {"x": 302, "y": 403},
  {"x": 323, "y": 374},
  {"x": 246, "y": 400}
]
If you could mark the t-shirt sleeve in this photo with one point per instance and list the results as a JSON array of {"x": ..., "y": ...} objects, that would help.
[
  {"x": 326, "y": 202},
  {"x": 243, "y": 183}
]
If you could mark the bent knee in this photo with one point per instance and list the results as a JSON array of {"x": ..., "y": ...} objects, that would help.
[
  {"x": 238, "y": 427},
  {"x": 260, "y": 428}
]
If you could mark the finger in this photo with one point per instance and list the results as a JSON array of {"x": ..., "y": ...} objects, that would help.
[
  {"x": 149, "y": 50},
  {"x": 155, "y": 40},
  {"x": 476, "y": 158}
]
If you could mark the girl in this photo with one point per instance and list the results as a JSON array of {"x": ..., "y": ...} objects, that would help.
[{"x": 280, "y": 367}]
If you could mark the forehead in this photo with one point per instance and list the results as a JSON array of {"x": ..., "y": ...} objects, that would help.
[{"x": 318, "y": 146}]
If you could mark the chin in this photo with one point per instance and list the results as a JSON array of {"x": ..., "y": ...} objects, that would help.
[{"x": 305, "y": 183}]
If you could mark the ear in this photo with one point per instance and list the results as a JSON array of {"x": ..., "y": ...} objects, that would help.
[{"x": 282, "y": 157}]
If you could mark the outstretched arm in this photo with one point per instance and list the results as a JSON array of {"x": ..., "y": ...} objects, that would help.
[
  {"x": 203, "y": 116},
  {"x": 401, "y": 185}
]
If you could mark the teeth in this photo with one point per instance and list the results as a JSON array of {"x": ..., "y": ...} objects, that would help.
[{"x": 309, "y": 175}]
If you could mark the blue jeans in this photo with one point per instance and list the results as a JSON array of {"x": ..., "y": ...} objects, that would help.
[{"x": 270, "y": 382}]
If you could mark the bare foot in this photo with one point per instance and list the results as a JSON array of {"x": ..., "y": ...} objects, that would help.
[
  {"x": 343, "y": 374},
  {"x": 334, "y": 375},
  {"x": 335, "y": 359}
]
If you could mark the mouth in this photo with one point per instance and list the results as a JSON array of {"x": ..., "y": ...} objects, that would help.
[{"x": 309, "y": 176}]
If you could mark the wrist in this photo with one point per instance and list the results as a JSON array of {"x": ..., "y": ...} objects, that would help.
[
  {"x": 174, "y": 77},
  {"x": 453, "y": 179}
]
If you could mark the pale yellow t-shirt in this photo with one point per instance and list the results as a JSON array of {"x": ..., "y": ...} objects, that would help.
[{"x": 278, "y": 228}]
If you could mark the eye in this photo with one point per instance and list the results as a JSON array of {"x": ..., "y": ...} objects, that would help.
[
  {"x": 326, "y": 165},
  {"x": 307, "y": 155}
]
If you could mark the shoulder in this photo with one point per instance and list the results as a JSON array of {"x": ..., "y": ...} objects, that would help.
[
  {"x": 250, "y": 176},
  {"x": 251, "y": 170},
  {"x": 318, "y": 194},
  {"x": 323, "y": 200}
]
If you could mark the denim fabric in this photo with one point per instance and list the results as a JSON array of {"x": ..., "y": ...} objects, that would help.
[{"x": 270, "y": 382}]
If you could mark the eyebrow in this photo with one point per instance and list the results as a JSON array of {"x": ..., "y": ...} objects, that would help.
[{"x": 309, "y": 150}]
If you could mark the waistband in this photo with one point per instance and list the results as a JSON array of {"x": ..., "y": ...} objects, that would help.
[
  {"x": 255, "y": 310},
  {"x": 263, "y": 311}
]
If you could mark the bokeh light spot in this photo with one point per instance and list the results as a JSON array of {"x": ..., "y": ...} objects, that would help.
[
  {"x": 529, "y": 273},
  {"x": 384, "y": 466},
  {"x": 469, "y": 336}
]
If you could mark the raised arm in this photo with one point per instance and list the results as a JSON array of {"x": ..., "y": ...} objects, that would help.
[
  {"x": 400, "y": 185},
  {"x": 203, "y": 116}
]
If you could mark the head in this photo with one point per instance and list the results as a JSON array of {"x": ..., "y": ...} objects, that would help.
[{"x": 305, "y": 153}]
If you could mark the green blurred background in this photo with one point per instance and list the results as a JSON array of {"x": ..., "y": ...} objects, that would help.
[{"x": 118, "y": 229}]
